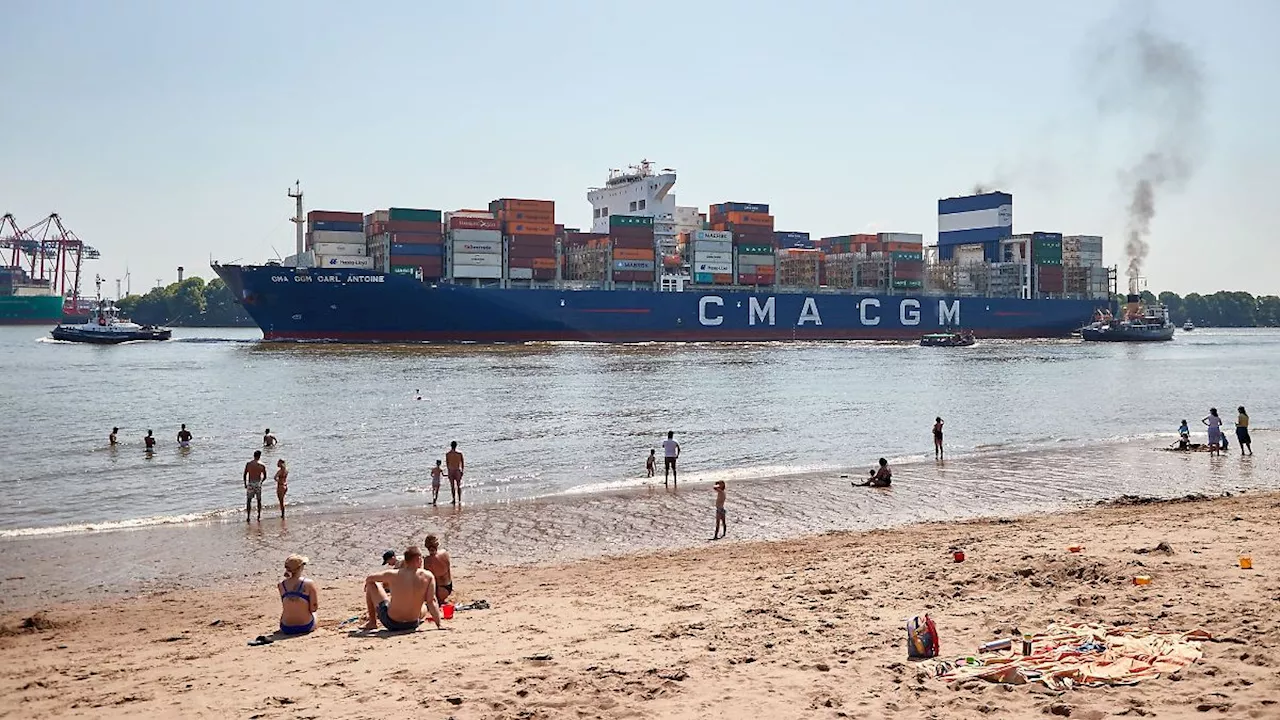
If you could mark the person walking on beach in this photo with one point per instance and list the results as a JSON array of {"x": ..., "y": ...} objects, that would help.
[
  {"x": 1242, "y": 430},
  {"x": 438, "y": 564},
  {"x": 414, "y": 595},
  {"x": 254, "y": 475},
  {"x": 721, "y": 523},
  {"x": 299, "y": 598},
  {"x": 282, "y": 483},
  {"x": 184, "y": 437},
  {"x": 651, "y": 464},
  {"x": 1214, "y": 424},
  {"x": 111, "y": 439},
  {"x": 454, "y": 464},
  {"x": 436, "y": 473},
  {"x": 268, "y": 440},
  {"x": 149, "y": 441},
  {"x": 937, "y": 438},
  {"x": 670, "y": 451}
]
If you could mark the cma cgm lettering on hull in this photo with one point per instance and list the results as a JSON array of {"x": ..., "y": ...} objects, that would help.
[{"x": 351, "y": 305}]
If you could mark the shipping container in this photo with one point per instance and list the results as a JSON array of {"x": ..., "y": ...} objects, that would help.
[
  {"x": 544, "y": 263},
  {"x": 406, "y": 238},
  {"x": 544, "y": 273},
  {"x": 530, "y": 228},
  {"x": 413, "y": 215},
  {"x": 519, "y": 253},
  {"x": 632, "y": 254},
  {"x": 481, "y": 272},
  {"x": 750, "y": 279},
  {"x": 906, "y": 256},
  {"x": 335, "y": 226},
  {"x": 414, "y": 226},
  {"x": 520, "y": 273},
  {"x": 339, "y": 248},
  {"x": 419, "y": 249},
  {"x": 406, "y": 270},
  {"x": 709, "y": 267},
  {"x": 747, "y": 219},
  {"x": 463, "y": 222},
  {"x": 334, "y": 216},
  {"x": 547, "y": 206},
  {"x": 907, "y": 238},
  {"x": 475, "y": 236},
  {"x": 712, "y": 236},
  {"x": 376, "y": 216},
  {"x": 629, "y": 242},
  {"x": 907, "y": 284},
  {"x": 712, "y": 246},
  {"x": 480, "y": 259},
  {"x": 329, "y": 236},
  {"x": 755, "y": 249},
  {"x": 712, "y": 257},
  {"x": 630, "y": 220},
  {"x": 634, "y": 265},
  {"x": 434, "y": 263},
  {"x": 476, "y": 246},
  {"x": 344, "y": 261},
  {"x": 529, "y": 216}
]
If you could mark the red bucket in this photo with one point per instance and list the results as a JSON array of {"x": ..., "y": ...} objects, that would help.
[
  {"x": 958, "y": 556},
  {"x": 446, "y": 611}
]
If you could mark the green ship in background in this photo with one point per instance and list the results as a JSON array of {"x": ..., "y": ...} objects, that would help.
[{"x": 24, "y": 301}]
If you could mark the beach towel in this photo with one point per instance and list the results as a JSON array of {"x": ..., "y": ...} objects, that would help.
[{"x": 1066, "y": 656}]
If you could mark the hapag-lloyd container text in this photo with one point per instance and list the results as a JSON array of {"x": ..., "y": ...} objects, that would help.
[
  {"x": 457, "y": 222},
  {"x": 709, "y": 267},
  {"x": 343, "y": 261}
]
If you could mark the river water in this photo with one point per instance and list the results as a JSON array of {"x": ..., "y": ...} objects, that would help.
[{"x": 544, "y": 420}]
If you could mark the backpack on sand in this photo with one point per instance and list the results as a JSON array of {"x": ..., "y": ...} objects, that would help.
[{"x": 922, "y": 638}]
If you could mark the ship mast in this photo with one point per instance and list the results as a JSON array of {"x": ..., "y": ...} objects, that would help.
[{"x": 297, "y": 219}]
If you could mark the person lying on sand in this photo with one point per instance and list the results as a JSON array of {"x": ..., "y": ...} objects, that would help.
[{"x": 413, "y": 598}]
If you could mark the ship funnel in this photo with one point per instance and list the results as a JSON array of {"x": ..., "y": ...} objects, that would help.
[{"x": 1133, "y": 305}]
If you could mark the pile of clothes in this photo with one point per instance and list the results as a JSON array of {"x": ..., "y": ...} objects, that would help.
[{"x": 1066, "y": 656}]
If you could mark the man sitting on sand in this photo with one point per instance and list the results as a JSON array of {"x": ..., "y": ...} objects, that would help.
[{"x": 413, "y": 598}]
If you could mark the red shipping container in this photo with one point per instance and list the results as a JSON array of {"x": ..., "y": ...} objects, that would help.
[
  {"x": 410, "y": 226},
  {"x": 544, "y": 263},
  {"x": 519, "y": 262},
  {"x": 514, "y": 252},
  {"x": 529, "y": 216},
  {"x": 334, "y": 216},
  {"x": 518, "y": 204},
  {"x": 1050, "y": 278},
  {"x": 631, "y": 230},
  {"x": 722, "y": 279},
  {"x": 533, "y": 240},
  {"x": 544, "y": 274},
  {"x": 473, "y": 223},
  {"x": 634, "y": 243},
  {"x": 410, "y": 238},
  {"x": 529, "y": 228}
]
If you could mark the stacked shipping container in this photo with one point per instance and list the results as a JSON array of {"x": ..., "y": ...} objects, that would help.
[
  {"x": 1046, "y": 255},
  {"x": 633, "y": 248},
  {"x": 754, "y": 245},
  {"x": 335, "y": 239},
  {"x": 712, "y": 257},
  {"x": 530, "y": 230},
  {"x": 407, "y": 241},
  {"x": 475, "y": 245}
]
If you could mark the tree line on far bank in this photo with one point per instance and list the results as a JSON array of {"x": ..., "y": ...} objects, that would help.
[
  {"x": 190, "y": 303},
  {"x": 1221, "y": 309}
]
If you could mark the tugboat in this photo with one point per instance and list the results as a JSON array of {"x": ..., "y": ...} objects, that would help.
[
  {"x": 1141, "y": 323},
  {"x": 1188, "y": 326},
  {"x": 106, "y": 327},
  {"x": 964, "y": 338}
]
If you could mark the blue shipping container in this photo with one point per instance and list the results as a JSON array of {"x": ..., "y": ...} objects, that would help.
[
  {"x": 417, "y": 249},
  {"x": 335, "y": 226},
  {"x": 761, "y": 208},
  {"x": 790, "y": 235}
]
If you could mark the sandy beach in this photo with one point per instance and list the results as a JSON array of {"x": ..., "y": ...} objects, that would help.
[{"x": 811, "y": 627}]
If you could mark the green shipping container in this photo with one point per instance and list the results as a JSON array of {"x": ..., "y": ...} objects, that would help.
[
  {"x": 755, "y": 249},
  {"x": 908, "y": 284},
  {"x": 907, "y": 256},
  {"x": 630, "y": 221},
  {"x": 411, "y": 215}
]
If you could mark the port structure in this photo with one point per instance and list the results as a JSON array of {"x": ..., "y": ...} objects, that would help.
[{"x": 48, "y": 252}]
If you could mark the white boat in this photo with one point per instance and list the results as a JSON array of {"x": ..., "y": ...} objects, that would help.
[
  {"x": 106, "y": 327},
  {"x": 1188, "y": 326}
]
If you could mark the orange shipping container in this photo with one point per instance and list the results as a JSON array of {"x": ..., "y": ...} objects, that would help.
[
  {"x": 525, "y": 228},
  {"x": 544, "y": 263},
  {"x": 742, "y": 218},
  {"x": 546, "y": 206},
  {"x": 722, "y": 279},
  {"x": 632, "y": 254},
  {"x": 528, "y": 216}
]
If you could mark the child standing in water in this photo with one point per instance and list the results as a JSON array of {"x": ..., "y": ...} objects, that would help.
[
  {"x": 651, "y": 465},
  {"x": 436, "y": 473},
  {"x": 722, "y": 526}
]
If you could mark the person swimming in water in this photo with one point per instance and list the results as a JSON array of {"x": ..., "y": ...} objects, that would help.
[{"x": 268, "y": 440}]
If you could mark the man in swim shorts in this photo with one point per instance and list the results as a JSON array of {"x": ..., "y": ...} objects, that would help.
[
  {"x": 149, "y": 441},
  {"x": 112, "y": 437},
  {"x": 454, "y": 464},
  {"x": 184, "y": 436},
  {"x": 670, "y": 451},
  {"x": 437, "y": 562},
  {"x": 254, "y": 475},
  {"x": 412, "y": 599}
]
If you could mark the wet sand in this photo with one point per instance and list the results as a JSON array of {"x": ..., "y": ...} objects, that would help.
[
  {"x": 101, "y": 565},
  {"x": 802, "y": 628}
]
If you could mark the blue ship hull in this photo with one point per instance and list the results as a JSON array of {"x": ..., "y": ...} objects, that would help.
[{"x": 367, "y": 306}]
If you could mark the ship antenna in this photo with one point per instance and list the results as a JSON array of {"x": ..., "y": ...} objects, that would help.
[{"x": 297, "y": 219}]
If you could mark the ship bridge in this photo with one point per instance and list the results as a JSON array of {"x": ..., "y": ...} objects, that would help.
[{"x": 642, "y": 190}]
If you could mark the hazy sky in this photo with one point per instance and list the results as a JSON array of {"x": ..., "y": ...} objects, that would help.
[{"x": 166, "y": 133}]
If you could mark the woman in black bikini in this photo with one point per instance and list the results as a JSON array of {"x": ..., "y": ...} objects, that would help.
[{"x": 937, "y": 438}]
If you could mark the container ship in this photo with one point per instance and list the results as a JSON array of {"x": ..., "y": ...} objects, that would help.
[
  {"x": 650, "y": 270},
  {"x": 25, "y": 301},
  {"x": 40, "y": 271}
]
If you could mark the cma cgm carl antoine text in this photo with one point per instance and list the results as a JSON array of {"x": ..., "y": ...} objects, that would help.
[{"x": 411, "y": 282}]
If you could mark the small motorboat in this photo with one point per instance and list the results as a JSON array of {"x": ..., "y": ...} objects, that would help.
[
  {"x": 1188, "y": 326},
  {"x": 106, "y": 327},
  {"x": 964, "y": 338}
]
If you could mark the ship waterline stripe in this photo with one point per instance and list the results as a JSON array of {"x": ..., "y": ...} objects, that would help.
[{"x": 756, "y": 334}]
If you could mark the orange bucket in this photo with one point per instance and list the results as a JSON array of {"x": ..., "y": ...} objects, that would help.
[
  {"x": 1142, "y": 580},
  {"x": 1246, "y": 562}
]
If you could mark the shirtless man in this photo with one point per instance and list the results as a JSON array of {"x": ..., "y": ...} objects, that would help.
[
  {"x": 149, "y": 441},
  {"x": 184, "y": 436},
  {"x": 438, "y": 563},
  {"x": 254, "y": 475},
  {"x": 454, "y": 463},
  {"x": 112, "y": 437},
  {"x": 268, "y": 440},
  {"x": 412, "y": 599}
]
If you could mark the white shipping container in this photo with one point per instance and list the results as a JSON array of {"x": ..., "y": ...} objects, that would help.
[
  {"x": 913, "y": 238},
  {"x": 520, "y": 273},
  {"x": 712, "y": 257},
  {"x": 476, "y": 235},
  {"x": 477, "y": 259},
  {"x": 706, "y": 267},
  {"x": 493, "y": 272},
  {"x": 344, "y": 261},
  {"x": 755, "y": 260},
  {"x": 322, "y": 237},
  {"x": 712, "y": 246},
  {"x": 481, "y": 214},
  {"x": 713, "y": 235},
  {"x": 461, "y": 247},
  {"x": 339, "y": 249}
]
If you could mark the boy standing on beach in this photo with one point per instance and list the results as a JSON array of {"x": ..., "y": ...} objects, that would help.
[
  {"x": 650, "y": 465},
  {"x": 722, "y": 526},
  {"x": 436, "y": 472},
  {"x": 455, "y": 464}
]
